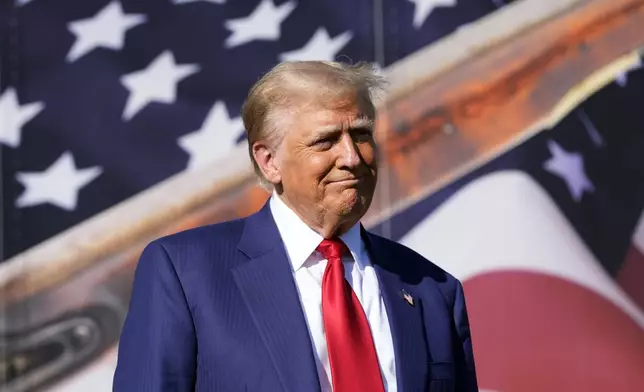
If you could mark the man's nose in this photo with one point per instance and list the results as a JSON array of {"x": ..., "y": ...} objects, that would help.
[{"x": 349, "y": 156}]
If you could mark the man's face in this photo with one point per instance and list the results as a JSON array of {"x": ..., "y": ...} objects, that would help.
[{"x": 327, "y": 160}]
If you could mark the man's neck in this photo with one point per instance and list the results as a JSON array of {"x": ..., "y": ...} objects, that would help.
[{"x": 320, "y": 221}]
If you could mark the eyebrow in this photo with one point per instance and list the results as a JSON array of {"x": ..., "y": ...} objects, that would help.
[{"x": 360, "y": 122}]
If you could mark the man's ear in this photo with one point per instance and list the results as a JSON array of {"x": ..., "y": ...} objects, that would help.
[{"x": 267, "y": 162}]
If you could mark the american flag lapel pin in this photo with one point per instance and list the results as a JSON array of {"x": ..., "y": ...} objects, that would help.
[{"x": 407, "y": 297}]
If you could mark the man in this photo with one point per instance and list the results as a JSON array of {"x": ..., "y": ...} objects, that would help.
[{"x": 298, "y": 297}]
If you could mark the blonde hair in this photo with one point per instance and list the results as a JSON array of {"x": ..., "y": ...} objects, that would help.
[{"x": 293, "y": 84}]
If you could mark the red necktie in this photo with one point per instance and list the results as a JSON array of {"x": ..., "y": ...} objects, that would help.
[{"x": 352, "y": 355}]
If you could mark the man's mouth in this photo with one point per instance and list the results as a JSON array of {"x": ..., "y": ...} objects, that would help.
[{"x": 348, "y": 181}]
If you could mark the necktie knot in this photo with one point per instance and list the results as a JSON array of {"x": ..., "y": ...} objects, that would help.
[{"x": 331, "y": 248}]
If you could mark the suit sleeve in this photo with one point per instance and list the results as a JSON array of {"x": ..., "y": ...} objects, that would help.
[
  {"x": 157, "y": 347},
  {"x": 464, "y": 356}
]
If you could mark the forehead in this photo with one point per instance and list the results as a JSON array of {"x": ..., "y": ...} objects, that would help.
[{"x": 337, "y": 113}]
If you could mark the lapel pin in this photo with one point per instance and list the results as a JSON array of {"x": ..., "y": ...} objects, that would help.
[{"x": 407, "y": 297}]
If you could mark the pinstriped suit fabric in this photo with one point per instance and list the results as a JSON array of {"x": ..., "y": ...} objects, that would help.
[{"x": 216, "y": 309}]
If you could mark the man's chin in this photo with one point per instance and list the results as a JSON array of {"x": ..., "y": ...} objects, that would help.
[{"x": 352, "y": 204}]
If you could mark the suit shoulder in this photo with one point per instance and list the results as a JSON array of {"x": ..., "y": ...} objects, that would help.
[
  {"x": 221, "y": 231},
  {"x": 189, "y": 248},
  {"x": 412, "y": 265},
  {"x": 411, "y": 258}
]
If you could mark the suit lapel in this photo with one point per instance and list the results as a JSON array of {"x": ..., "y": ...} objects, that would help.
[
  {"x": 405, "y": 319},
  {"x": 268, "y": 288}
]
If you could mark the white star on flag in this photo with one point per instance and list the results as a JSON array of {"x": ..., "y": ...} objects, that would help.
[
  {"x": 320, "y": 47},
  {"x": 13, "y": 117},
  {"x": 107, "y": 29},
  {"x": 157, "y": 82},
  {"x": 193, "y": 1},
  {"x": 422, "y": 9},
  {"x": 217, "y": 136},
  {"x": 59, "y": 184},
  {"x": 569, "y": 166},
  {"x": 264, "y": 23}
]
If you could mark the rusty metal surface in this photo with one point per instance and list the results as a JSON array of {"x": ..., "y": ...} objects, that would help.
[{"x": 460, "y": 119}]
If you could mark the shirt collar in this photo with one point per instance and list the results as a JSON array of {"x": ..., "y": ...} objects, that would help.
[{"x": 301, "y": 241}]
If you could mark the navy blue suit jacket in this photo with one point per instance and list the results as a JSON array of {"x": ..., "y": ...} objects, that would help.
[{"x": 216, "y": 308}]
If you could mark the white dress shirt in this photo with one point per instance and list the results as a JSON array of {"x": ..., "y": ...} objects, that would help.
[{"x": 300, "y": 242}]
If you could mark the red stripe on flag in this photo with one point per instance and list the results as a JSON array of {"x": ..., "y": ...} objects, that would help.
[
  {"x": 631, "y": 275},
  {"x": 534, "y": 332}
]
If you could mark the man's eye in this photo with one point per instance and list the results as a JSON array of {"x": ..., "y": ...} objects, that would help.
[{"x": 323, "y": 143}]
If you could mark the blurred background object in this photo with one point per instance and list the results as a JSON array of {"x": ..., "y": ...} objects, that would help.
[{"x": 511, "y": 142}]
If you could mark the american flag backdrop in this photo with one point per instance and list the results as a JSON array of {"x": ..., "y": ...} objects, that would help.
[{"x": 101, "y": 99}]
